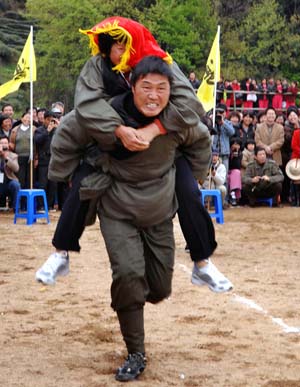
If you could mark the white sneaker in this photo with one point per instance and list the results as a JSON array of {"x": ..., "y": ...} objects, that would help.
[
  {"x": 209, "y": 275},
  {"x": 56, "y": 264}
]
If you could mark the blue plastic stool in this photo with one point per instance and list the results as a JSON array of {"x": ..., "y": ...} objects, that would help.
[
  {"x": 269, "y": 201},
  {"x": 215, "y": 194},
  {"x": 31, "y": 214}
]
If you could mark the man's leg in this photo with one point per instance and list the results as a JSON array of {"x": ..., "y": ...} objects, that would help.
[
  {"x": 129, "y": 290},
  {"x": 198, "y": 230},
  {"x": 13, "y": 188},
  {"x": 68, "y": 231}
]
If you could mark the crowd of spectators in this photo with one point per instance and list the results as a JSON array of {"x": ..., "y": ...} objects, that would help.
[
  {"x": 243, "y": 124},
  {"x": 28, "y": 172}
]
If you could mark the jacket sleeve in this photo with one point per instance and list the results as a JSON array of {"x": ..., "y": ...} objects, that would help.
[
  {"x": 280, "y": 139},
  {"x": 249, "y": 173},
  {"x": 276, "y": 174},
  {"x": 295, "y": 145},
  {"x": 92, "y": 108},
  {"x": 196, "y": 148},
  {"x": 184, "y": 109},
  {"x": 12, "y": 162}
]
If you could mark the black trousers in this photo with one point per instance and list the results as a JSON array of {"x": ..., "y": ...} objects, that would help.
[
  {"x": 195, "y": 222},
  {"x": 46, "y": 184},
  {"x": 71, "y": 223}
]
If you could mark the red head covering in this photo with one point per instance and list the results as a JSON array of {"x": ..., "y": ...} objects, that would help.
[{"x": 138, "y": 40}]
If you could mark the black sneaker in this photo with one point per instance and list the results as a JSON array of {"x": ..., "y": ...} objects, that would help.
[{"x": 133, "y": 366}]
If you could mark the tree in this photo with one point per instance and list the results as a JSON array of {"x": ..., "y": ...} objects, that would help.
[{"x": 185, "y": 29}]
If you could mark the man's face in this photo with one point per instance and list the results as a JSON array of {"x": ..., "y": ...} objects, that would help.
[
  {"x": 151, "y": 94},
  {"x": 247, "y": 120},
  {"x": 4, "y": 144},
  {"x": 293, "y": 118},
  {"x": 270, "y": 117},
  {"x": 26, "y": 119},
  {"x": 261, "y": 157},
  {"x": 6, "y": 124},
  {"x": 117, "y": 50},
  {"x": 8, "y": 111}
]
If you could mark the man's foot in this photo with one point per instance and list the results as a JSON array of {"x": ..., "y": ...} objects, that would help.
[
  {"x": 56, "y": 264},
  {"x": 209, "y": 275},
  {"x": 134, "y": 365}
]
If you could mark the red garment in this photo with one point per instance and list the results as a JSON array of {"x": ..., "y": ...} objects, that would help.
[
  {"x": 291, "y": 98},
  {"x": 138, "y": 40},
  {"x": 277, "y": 99},
  {"x": 295, "y": 145}
]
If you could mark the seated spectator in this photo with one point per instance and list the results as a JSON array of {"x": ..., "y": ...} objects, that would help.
[
  {"x": 216, "y": 177},
  {"x": 247, "y": 155},
  {"x": 234, "y": 173},
  {"x": 263, "y": 178},
  {"x": 247, "y": 86},
  {"x": 9, "y": 185},
  {"x": 6, "y": 124},
  {"x": 278, "y": 98}
]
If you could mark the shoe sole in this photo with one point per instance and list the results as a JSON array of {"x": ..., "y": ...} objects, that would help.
[{"x": 197, "y": 281}]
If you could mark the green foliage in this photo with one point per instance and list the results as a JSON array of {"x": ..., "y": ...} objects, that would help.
[{"x": 185, "y": 29}]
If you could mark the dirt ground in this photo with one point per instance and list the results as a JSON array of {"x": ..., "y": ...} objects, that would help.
[{"x": 67, "y": 335}]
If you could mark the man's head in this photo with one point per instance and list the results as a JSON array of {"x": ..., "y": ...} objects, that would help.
[
  {"x": 192, "y": 76},
  {"x": 4, "y": 143},
  {"x": 214, "y": 157},
  {"x": 260, "y": 155},
  {"x": 270, "y": 116},
  {"x": 8, "y": 110},
  {"x": 6, "y": 122},
  {"x": 151, "y": 85}
]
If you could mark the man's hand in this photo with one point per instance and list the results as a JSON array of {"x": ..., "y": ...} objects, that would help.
[
  {"x": 131, "y": 139},
  {"x": 3, "y": 152},
  {"x": 255, "y": 179},
  {"x": 149, "y": 132},
  {"x": 265, "y": 178},
  {"x": 53, "y": 124}
]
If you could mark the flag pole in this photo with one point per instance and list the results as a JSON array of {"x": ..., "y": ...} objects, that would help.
[
  {"x": 216, "y": 71},
  {"x": 31, "y": 106}
]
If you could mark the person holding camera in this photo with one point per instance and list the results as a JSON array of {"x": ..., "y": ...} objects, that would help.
[
  {"x": 42, "y": 138},
  {"x": 9, "y": 184},
  {"x": 224, "y": 130}
]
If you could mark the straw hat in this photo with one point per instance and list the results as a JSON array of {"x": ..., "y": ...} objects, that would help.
[{"x": 292, "y": 169}]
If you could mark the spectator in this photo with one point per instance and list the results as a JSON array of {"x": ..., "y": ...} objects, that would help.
[
  {"x": 270, "y": 136},
  {"x": 246, "y": 129},
  {"x": 271, "y": 90},
  {"x": 290, "y": 125},
  {"x": 278, "y": 97},
  {"x": 293, "y": 168},
  {"x": 234, "y": 173},
  {"x": 238, "y": 97},
  {"x": 194, "y": 81},
  {"x": 9, "y": 185},
  {"x": 247, "y": 86},
  {"x": 263, "y": 101},
  {"x": 40, "y": 116},
  {"x": 224, "y": 130},
  {"x": 290, "y": 98},
  {"x": 263, "y": 178},
  {"x": 6, "y": 123},
  {"x": 216, "y": 177},
  {"x": 227, "y": 94},
  {"x": 8, "y": 110},
  {"x": 42, "y": 138},
  {"x": 20, "y": 144},
  {"x": 247, "y": 154}
]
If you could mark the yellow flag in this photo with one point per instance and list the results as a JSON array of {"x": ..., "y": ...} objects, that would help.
[
  {"x": 22, "y": 71},
  {"x": 212, "y": 75}
]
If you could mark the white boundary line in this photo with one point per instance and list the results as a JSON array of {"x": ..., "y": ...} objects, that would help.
[{"x": 252, "y": 305}]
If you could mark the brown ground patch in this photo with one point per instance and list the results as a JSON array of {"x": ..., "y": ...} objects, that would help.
[{"x": 68, "y": 336}]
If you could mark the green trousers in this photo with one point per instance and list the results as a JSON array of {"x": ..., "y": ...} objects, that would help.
[{"x": 142, "y": 262}]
